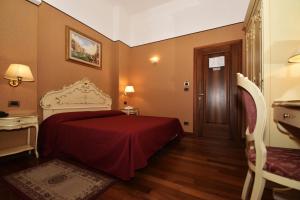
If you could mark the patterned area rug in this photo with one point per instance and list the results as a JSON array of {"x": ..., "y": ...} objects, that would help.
[{"x": 57, "y": 179}]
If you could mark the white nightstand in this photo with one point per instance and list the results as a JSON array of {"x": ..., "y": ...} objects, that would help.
[
  {"x": 18, "y": 122},
  {"x": 131, "y": 111}
]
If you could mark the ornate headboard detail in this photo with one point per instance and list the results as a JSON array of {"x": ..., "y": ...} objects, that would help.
[{"x": 79, "y": 96}]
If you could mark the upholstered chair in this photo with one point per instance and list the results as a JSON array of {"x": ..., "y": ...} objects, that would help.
[{"x": 279, "y": 165}]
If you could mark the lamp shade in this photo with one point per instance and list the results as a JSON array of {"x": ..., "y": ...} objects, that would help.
[
  {"x": 154, "y": 59},
  {"x": 37, "y": 2},
  {"x": 17, "y": 71},
  {"x": 295, "y": 58},
  {"x": 129, "y": 89}
]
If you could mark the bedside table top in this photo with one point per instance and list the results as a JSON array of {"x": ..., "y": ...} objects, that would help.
[
  {"x": 131, "y": 109},
  {"x": 17, "y": 121},
  {"x": 16, "y": 116}
]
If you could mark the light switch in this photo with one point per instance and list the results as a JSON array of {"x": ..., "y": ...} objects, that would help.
[{"x": 186, "y": 86}]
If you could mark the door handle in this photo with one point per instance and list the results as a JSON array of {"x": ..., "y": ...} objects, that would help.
[{"x": 200, "y": 96}]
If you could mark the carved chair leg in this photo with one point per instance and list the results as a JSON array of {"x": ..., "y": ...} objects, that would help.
[
  {"x": 258, "y": 187},
  {"x": 247, "y": 184}
]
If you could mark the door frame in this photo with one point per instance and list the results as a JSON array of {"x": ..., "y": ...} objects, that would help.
[{"x": 235, "y": 116}]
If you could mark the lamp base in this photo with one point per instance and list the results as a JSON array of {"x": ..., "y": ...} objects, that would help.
[{"x": 15, "y": 83}]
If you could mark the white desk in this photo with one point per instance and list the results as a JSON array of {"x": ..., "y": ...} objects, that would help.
[
  {"x": 18, "y": 122},
  {"x": 287, "y": 117}
]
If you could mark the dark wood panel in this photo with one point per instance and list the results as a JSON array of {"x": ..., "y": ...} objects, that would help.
[
  {"x": 216, "y": 106},
  {"x": 194, "y": 168},
  {"x": 216, "y": 90},
  {"x": 236, "y": 118}
]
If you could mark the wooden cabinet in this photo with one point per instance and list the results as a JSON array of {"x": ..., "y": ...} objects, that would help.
[
  {"x": 271, "y": 38},
  {"x": 253, "y": 29}
]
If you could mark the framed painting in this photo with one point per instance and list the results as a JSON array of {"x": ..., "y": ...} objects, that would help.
[{"x": 83, "y": 49}]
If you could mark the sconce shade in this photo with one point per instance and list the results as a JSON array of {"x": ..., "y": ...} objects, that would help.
[
  {"x": 295, "y": 58},
  {"x": 129, "y": 89},
  {"x": 154, "y": 59},
  {"x": 18, "y": 71}
]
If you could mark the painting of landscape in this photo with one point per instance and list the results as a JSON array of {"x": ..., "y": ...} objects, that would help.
[{"x": 83, "y": 49}]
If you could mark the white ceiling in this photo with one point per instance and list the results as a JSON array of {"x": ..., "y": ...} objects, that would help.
[
  {"x": 137, "y": 22},
  {"x": 134, "y": 6}
]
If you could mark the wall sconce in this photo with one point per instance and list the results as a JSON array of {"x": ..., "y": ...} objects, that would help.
[
  {"x": 37, "y": 2},
  {"x": 295, "y": 58},
  {"x": 17, "y": 73},
  {"x": 154, "y": 59},
  {"x": 129, "y": 89}
]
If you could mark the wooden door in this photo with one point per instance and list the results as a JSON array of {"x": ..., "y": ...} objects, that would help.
[{"x": 215, "y": 93}]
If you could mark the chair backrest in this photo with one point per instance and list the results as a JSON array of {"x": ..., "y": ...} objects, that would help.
[
  {"x": 256, "y": 114},
  {"x": 251, "y": 112}
]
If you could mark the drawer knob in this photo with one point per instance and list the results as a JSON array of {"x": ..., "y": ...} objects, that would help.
[{"x": 286, "y": 115}]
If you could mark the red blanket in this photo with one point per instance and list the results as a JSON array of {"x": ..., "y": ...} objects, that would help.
[{"x": 107, "y": 140}]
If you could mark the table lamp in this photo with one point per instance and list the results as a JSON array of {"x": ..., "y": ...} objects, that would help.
[{"x": 128, "y": 90}]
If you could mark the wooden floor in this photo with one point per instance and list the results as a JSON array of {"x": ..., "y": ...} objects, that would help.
[{"x": 193, "y": 168}]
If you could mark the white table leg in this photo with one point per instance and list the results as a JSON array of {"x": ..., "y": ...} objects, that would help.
[
  {"x": 28, "y": 139},
  {"x": 36, "y": 141}
]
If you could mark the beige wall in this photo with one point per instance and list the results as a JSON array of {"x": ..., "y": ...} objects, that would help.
[
  {"x": 53, "y": 70},
  {"x": 282, "y": 80},
  {"x": 122, "y": 60},
  {"x": 18, "y": 44},
  {"x": 159, "y": 87}
]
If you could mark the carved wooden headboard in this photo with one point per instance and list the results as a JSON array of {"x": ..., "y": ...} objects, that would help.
[{"x": 79, "y": 96}]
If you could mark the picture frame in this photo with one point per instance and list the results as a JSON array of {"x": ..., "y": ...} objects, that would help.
[{"x": 83, "y": 49}]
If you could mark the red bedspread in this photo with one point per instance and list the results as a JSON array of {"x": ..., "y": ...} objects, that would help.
[{"x": 107, "y": 140}]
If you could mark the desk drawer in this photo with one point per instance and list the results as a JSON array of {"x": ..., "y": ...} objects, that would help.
[
  {"x": 287, "y": 115},
  {"x": 7, "y": 122}
]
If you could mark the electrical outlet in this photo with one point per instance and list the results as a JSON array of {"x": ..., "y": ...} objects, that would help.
[
  {"x": 14, "y": 103},
  {"x": 185, "y": 123}
]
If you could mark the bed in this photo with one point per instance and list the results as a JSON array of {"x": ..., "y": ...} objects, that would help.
[{"x": 79, "y": 123}]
